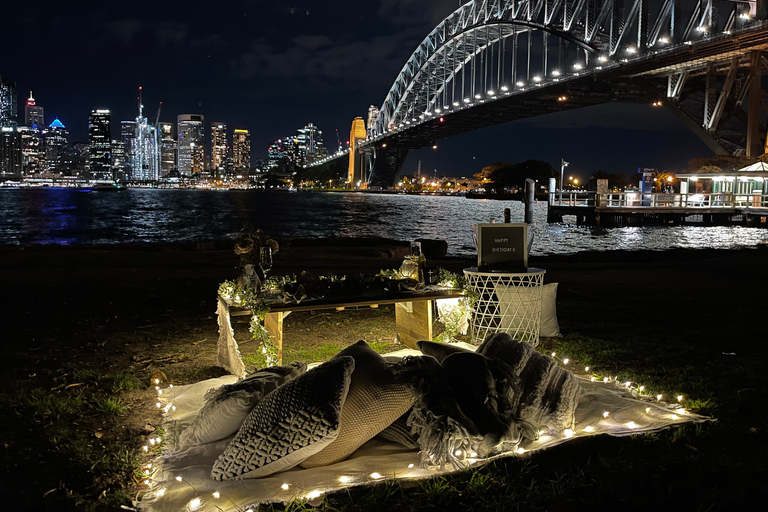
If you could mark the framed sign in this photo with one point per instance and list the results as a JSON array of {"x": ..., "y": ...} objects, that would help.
[{"x": 503, "y": 246}]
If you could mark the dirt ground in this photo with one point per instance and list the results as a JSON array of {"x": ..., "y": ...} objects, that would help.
[{"x": 72, "y": 315}]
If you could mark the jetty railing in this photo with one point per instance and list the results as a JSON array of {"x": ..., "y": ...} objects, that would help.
[{"x": 660, "y": 200}]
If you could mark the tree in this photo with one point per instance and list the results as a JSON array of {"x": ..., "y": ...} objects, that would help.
[
  {"x": 721, "y": 162},
  {"x": 504, "y": 175}
]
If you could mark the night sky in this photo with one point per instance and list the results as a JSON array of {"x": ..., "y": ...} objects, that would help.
[{"x": 274, "y": 66}]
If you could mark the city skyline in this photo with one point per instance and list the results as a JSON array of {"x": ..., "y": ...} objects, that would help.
[{"x": 271, "y": 68}]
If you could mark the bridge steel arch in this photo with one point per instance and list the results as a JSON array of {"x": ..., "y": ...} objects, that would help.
[
  {"x": 475, "y": 52},
  {"x": 494, "y": 61}
]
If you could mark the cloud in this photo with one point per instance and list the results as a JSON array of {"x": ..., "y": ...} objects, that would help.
[
  {"x": 312, "y": 42},
  {"x": 123, "y": 30}
]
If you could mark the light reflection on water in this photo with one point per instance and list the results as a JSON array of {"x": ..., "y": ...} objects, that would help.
[{"x": 65, "y": 216}]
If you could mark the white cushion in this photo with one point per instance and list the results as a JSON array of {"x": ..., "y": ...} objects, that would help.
[
  {"x": 227, "y": 407},
  {"x": 517, "y": 308},
  {"x": 293, "y": 422}
]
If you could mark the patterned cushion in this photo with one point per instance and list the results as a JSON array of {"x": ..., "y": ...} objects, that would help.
[
  {"x": 375, "y": 400},
  {"x": 295, "y": 421},
  {"x": 548, "y": 395},
  {"x": 227, "y": 407},
  {"x": 439, "y": 350}
]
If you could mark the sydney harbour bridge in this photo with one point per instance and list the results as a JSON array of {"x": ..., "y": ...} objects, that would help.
[{"x": 495, "y": 61}]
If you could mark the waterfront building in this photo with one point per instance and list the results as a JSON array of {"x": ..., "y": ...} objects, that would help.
[
  {"x": 218, "y": 148},
  {"x": 127, "y": 136},
  {"x": 32, "y": 153},
  {"x": 56, "y": 144},
  {"x": 191, "y": 143},
  {"x": 34, "y": 114},
  {"x": 309, "y": 146},
  {"x": 275, "y": 153},
  {"x": 10, "y": 150},
  {"x": 168, "y": 148},
  {"x": 119, "y": 159},
  {"x": 100, "y": 145},
  {"x": 373, "y": 115},
  {"x": 8, "y": 106},
  {"x": 241, "y": 149},
  {"x": 145, "y": 157}
]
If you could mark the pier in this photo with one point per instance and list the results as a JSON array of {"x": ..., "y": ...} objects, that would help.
[{"x": 641, "y": 209}]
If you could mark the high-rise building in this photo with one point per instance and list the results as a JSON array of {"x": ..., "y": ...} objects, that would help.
[
  {"x": 10, "y": 138},
  {"x": 100, "y": 145},
  {"x": 218, "y": 148},
  {"x": 145, "y": 156},
  {"x": 310, "y": 144},
  {"x": 8, "y": 106},
  {"x": 275, "y": 154},
  {"x": 56, "y": 142},
  {"x": 34, "y": 115},
  {"x": 127, "y": 136},
  {"x": 32, "y": 150},
  {"x": 241, "y": 149},
  {"x": 191, "y": 147},
  {"x": 119, "y": 159},
  {"x": 168, "y": 146}
]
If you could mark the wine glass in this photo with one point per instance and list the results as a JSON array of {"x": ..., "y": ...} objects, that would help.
[{"x": 265, "y": 260}]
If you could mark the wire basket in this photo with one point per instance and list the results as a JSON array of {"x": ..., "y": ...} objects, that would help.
[{"x": 506, "y": 302}]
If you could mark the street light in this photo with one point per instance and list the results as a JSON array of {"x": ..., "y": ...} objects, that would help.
[{"x": 563, "y": 164}]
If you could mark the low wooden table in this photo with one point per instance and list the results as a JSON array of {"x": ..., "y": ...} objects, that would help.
[{"x": 413, "y": 312}]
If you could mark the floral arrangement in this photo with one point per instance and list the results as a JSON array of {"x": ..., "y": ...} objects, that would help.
[{"x": 249, "y": 245}]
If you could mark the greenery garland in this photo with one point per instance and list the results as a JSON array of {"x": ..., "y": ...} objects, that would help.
[{"x": 266, "y": 354}]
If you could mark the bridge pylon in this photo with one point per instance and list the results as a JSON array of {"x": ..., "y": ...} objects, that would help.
[{"x": 356, "y": 171}]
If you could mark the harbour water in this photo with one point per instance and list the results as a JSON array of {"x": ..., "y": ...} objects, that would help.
[{"x": 69, "y": 216}]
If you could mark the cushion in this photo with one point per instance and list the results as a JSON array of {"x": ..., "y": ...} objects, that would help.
[
  {"x": 549, "y": 326},
  {"x": 517, "y": 308},
  {"x": 227, "y": 407},
  {"x": 548, "y": 394},
  {"x": 439, "y": 350},
  {"x": 293, "y": 422},
  {"x": 375, "y": 400},
  {"x": 399, "y": 432},
  {"x": 462, "y": 406}
]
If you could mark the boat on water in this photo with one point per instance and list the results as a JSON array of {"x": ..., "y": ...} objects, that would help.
[{"x": 102, "y": 186}]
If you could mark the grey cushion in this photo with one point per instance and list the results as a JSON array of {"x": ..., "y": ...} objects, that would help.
[
  {"x": 548, "y": 394},
  {"x": 375, "y": 399},
  {"x": 295, "y": 421},
  {"x": 439, "y": 350},
  {"x": 227, "y": 407}
]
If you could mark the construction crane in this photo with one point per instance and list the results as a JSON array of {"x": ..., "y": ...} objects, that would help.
[
  {"x": 157, "y": 117},
  {"x": 338, "y": 139}
]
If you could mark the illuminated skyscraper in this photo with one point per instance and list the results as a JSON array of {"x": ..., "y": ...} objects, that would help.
[
  {"x": 127, "y": 136},
  {"x": 168, "y": 146},
  {"x": 241, "y": 149},
  {"x": 33, "y": 114},
  {"x": 32, "y": 153},
  {"x": 8, "y": 106},
  {"x": 191, "y": 148},
  {"x": 218, "y": 148},
  {"x": 100, "y": 144},
  {"x": 56, "y": 142},
  {"x": 310, "y": 144},
  {"x": 119, "y": 159},
  {"x": 145, "y": 157},
  {"x": 10, "y": 138}
]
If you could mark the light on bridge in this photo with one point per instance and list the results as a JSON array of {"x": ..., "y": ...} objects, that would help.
[
  {"x": 519, "y": 84},
  {"x": 631, "y": 50},
  {"x": 455, "y": 103},
  {"x": 602, "y": 58},
  {"x": 537, "y": 79},
  {"x": 664, "y": 40},
  {"x": 578, "y": 67},
  {"x": 745, "y": 16},
  {"x": 466, "y": 100},
  {"x": 491, "y": 93},
  {"x": 555, "y": 73},
  {"x": 504, "y": 88},
  {"x": 562, "y": 98},
  {"x": 656, "y": 103},
  {"x": 477, "y": 96},
  {"x": 442, "y": 119}
]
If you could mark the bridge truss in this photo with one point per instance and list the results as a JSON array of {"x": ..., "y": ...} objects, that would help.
[{"x": 493, "y": 61}]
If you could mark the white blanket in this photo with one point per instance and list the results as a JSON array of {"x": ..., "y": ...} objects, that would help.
[{"x": 374, "y": 461}]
